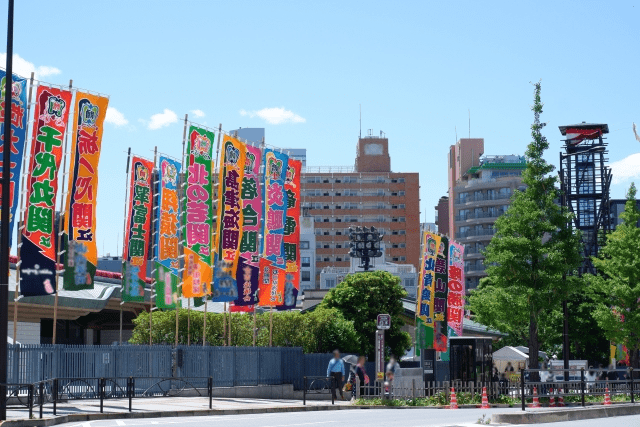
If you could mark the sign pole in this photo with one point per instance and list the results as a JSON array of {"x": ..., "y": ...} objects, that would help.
[
  {"x": 204, "y": 322},
  {"x": 224, "y": 325},
  {"x": 155, "y": 207},
  {"x": 5, "y": 249},
  {"x": 254, "y": 326},
  {"x": 182, "y": 225},
  {"x": 124, "y": 235}
]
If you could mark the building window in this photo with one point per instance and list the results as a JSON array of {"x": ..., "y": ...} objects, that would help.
[
  {"x": 326, "y": 259},
  {"x": 403, "y": 219},
  {"x": 409, "y": 283},
  {"x": 338, "y": 259},
  {"x": 305, "y": 276},
  {"x": 318, "y": 258},
  {"x": 305, "y": 261},
  {"x": 304, "y": 244},
  {"x": 400, "y": 193},
  {"x": 400, "y": 179},
  {"x": 329, "y": 283}
]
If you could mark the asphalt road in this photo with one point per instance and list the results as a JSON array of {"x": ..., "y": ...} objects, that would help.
[{"x": 351, "y": 418}]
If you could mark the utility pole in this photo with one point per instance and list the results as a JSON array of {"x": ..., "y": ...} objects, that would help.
[{"x": 4, "y": 217}]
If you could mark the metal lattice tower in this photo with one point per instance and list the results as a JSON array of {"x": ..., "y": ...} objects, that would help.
[{"x": 585, "y": 179}]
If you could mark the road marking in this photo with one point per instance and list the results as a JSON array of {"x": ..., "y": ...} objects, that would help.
[
  {"x": 87, "y": 424},
  {"x": 120, "y": 423},
  {"x": 304, "y": 424}
]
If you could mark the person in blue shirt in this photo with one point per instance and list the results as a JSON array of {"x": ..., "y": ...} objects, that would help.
[{"x": 336, "y": 370}]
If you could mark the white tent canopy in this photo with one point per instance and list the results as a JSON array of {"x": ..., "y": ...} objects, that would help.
[{"x": 509, "y": 354}]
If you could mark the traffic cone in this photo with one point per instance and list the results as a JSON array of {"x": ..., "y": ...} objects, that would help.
[
  {"x": 454, "y": 400},
  {"x": 561, "y": 399},
  {"x": 552, "y": 399},
  {"x": 607, "y": 398},
  {"x": 536, "y": 402},
  {"x": 485, "y": 399}
]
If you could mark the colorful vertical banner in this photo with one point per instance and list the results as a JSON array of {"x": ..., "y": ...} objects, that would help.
[
  {"x": 199, "y": 214},
  {"x": 80, "y": 211},
  {"x": 18, "y": 136},
  {"x": 426, "y": 289},
  {"x": 275, "y": 207},
  {"x": 440, "y": 341},
  {"x": 167, "y": 242},
  {"x": 272, "y": 283},
  {"x": 230, "y": 219},
  {"x": 455, "y": 296},
  {"x": 137, "y": 233},
  {"x": 247, "y": 272},
  {"x": 39, "y": 237},
  {"x": 292, "y": 234}
]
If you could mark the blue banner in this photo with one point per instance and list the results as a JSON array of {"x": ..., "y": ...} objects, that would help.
[
  {"x": 274, "y": 209},
  {"x": 18, "y": 136}
]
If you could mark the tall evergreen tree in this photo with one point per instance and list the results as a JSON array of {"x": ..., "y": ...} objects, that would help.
[
  {"x": 533, "y": 245},
  {"x": 616, "y": 289}
]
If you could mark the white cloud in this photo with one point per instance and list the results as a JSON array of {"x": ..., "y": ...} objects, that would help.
[
  {"x": 275, "y": 115},
  {"x": 163, "y": 119},
  {"x": 625, "y": 169},
  {"x": 198, "y": 113},
  {"x": 115, "y": 117},
  {"x": 24, "y": 68}
]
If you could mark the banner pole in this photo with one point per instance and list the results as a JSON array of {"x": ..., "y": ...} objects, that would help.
[
  {"x": 182, "y": 196},
  {"x": 61, "y": 218},
  {"x": 271, "y": 326},
  {"x": 229, "y": 325},
  {"x": 153, "y": 235},
  {"x": 21, "y": 205},
  {"x": 204, "y": 323},
  {"x": 124, "y": 241},
  {"x": 188, "y": 321},
  {"x": 224, "y": 325},
  {"x": 254, "y": 326}
]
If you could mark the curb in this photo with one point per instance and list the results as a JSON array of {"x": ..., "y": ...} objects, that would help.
[
  {"x": 577, "y": 414},
  {"x": 62, "y": 419}
]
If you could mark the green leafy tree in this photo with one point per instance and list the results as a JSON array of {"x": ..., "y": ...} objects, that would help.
[
  {"x": 360, "y": 298},
  {"x": 616, "y": 289},
  {"x": 533, "y": 247},
  {"x": 319, "y": 331}
]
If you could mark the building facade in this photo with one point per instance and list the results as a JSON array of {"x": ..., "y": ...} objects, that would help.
[
  {"x": 442, "y": 215},
  {"x": 307, "y": 254},
  {"x": 616, "y": 207},
  {"x": 368, "y": 194},
  {"x": 481, "y": 192}
]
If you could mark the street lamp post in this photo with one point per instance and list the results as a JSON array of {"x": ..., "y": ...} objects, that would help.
[
  {"x": 365, "y": 244},
  {"x": 5, "y": 218}
]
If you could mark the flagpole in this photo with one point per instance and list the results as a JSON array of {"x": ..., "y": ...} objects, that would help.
[
  {"x": 182, "y": 226},
  {"x": 188, "y": 321},
  {"x": 254, "y": 326},
  {"x": 16, "y": 292},
  {"x": 271, "y": 326},
  {"x": 204, "y": 323},
  {"x": 155, "y": 245},
  {"x": 224, "y": 325},
  {"x": 229, "y": 325},
  {"x": 61, "y": 218},
  {"x": 124, "y": 235}
]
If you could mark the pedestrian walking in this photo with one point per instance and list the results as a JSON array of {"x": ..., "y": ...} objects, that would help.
[
  {"x": 335, "y": 370},
  {"x": 362, "y": 376}
]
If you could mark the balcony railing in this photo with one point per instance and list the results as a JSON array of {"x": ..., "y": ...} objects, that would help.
[
  {"x": 476, "y": 233},
  {"x": 481, "y": 198},
  {"x": 479, "y": 215}
]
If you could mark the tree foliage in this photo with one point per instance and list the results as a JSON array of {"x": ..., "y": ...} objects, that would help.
[
  {"x": 361, "y": 297},
  {"x": 532, "y": 249},
  {"x": 616, "y": 289},
  {"x": 319, "y": 331}
]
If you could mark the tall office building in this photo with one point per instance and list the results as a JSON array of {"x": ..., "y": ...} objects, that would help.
[
  {"x": 367, "y": 194},
  {"x": 480, "y": 190}
]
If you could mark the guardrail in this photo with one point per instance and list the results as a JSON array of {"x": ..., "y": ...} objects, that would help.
[
  {"x": 577, "y": 385},
  {"x": 318, "y": 385},
  {"x": 58, "y": 390}
]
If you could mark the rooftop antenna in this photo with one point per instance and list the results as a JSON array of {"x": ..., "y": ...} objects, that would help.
[{"x": 360, "y": 122}]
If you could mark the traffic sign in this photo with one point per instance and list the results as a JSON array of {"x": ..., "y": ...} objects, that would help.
[{"x": 384, "y": 321}]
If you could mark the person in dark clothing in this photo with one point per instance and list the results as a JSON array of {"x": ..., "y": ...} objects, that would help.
[{"x": 362, "y": 376}]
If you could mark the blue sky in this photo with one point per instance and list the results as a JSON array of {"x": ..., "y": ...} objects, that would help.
[{"x": 301, "y": 69}]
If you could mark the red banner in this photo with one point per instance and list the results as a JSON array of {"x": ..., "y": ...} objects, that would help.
[
  {"x": 292, "y": 233},
  {"x": 271, "y": 291},
  {"x": 38, "y": 252}
]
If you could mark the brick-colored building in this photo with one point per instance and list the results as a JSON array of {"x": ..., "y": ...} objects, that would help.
[
  {"x": 442, "y": 215},
  {"x": 368, "y": 194}
]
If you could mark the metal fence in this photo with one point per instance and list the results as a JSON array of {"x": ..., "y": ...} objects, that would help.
[{"x": 228, "y": 366}]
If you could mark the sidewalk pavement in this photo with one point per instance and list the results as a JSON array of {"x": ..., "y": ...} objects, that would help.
[{"x": 83, "y": 410}]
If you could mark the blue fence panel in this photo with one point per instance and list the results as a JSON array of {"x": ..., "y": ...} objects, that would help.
[
  {"x": 270, "y": 365},
  {"x": 246, "y": 366},
  {"x": 292, "y": 367},
  {"x": 222, "y": 362}
]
